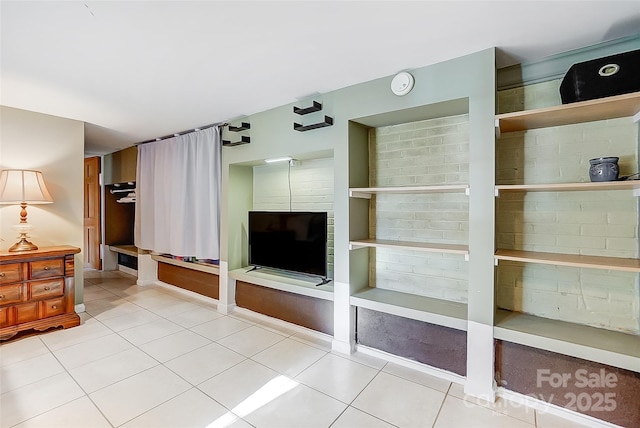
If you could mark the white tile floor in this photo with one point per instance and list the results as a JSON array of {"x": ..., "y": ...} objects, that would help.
[{"x": 157, "y": 357}]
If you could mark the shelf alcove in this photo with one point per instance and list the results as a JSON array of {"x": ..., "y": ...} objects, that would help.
[
  {"x": 409, "y": 192},
  {"x": 305, "y": 186},
  {"x": 567, "y": 256}
]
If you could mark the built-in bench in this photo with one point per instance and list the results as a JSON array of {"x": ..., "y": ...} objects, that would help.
[{"x": 201, "y": 278}]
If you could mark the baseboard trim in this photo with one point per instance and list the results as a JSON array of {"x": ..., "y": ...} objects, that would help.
[
  {"x": 226, "y": 309},
  {"x": 341, "y": 347},
  {"x": 430, "y": 370}
]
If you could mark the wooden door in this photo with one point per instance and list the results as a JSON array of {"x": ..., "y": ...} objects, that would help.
[{"x": 92, "y": 230}]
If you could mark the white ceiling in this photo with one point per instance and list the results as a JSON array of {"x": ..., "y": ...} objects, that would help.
[{"x": 134, "y": 71}]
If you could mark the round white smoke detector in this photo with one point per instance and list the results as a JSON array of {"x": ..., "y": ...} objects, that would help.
[{"x": 402, "y": 83}]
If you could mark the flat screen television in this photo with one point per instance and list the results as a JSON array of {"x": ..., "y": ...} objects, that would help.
[{"x": 292, "y": 241}]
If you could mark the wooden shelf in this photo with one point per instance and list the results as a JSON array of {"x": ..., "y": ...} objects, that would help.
[
  {"x": 573, "y": 260},
  {"x": 130, "y": 250},
  {"x": 366, "y": 192},
  {"x": 435, "y": 311},
  {"x": 567, "y": 114},
  {"x": 590, "y": 343},
  {"x": 562, "y": 187},
  {"x": 409, "y": 245},
  {"x": 283, "y": 281}
]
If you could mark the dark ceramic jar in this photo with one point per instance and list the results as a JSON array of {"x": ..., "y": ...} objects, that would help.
[{"x": 604, "y": 169}]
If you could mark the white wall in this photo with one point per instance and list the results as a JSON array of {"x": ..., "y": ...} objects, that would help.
[{"x": 54, "y": 146}]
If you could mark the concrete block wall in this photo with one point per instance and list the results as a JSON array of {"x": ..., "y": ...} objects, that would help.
[
  {"x": 311, "y": 190},
  {"x": 428, "y": 152},
  {"x": 589, "y": 223}
]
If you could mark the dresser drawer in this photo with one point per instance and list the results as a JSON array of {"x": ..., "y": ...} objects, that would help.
[
  {"x": 46, "y": 268},
  {"x": 11, "y": 272},
  {"x": 27, "y": 312},
  {"x": 52, "y": 307},
  {"x": 10, "y": 294},
  {"x": 5, "y": 317},
  {"x": 46, "y": 289}
]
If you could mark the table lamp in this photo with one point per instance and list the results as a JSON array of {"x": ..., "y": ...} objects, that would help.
[{"x": 22, "y": 187}]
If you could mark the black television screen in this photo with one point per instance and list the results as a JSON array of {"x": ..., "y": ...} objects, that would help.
[{"x": 294, "y": 241}]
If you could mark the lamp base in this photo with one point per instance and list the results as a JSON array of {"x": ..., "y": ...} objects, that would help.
[{"x": 23, "y": 245}]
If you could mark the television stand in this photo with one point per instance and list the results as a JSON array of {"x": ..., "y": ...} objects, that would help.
[{"x": 287, "y": 296}]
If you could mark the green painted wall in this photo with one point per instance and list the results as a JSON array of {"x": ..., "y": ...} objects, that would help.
[{"x": 470, "y": 78}]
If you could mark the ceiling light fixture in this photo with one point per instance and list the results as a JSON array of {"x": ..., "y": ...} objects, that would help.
[{"x": 280, "y": 159}]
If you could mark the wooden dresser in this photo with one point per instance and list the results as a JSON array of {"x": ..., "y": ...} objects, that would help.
[{"x": 37, "y": 290}]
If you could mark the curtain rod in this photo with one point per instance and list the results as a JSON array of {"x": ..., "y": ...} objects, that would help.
[{"x": 177, "y": 134}]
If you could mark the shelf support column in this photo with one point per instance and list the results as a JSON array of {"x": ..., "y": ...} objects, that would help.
[
  {"x": 147, "y": 270},
  {"x": 227, "y": 290},
  {"x": 344, "y": 320},
  {"x": 480, "y": 380},
  {"x": 480, "y": 341}
]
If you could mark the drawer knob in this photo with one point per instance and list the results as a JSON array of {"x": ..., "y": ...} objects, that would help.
[
  {"x": 54, "y": 307},
  {"x": 1, "y": 296},
  {"x": 47, "y": 288},
  {"x": 46, "y": 268},
  {"x": 2, "y": 274}
]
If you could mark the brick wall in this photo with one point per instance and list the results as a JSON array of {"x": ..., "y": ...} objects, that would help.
[
  {"x": 428, "y": 152},
  {"x": 590, "y": 223},
  {"x": 311, "y": 190}
]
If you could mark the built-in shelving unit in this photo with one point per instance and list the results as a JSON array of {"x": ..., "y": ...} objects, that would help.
[
  {"x": 292, "y": 283},
  {"x": 380, "y": 290},
  {"x": 595, "y": 344},
  {"x": 616, "y": 349},
  {"x": 434, "y": 311},
  {"x": 567, "y": 114}
]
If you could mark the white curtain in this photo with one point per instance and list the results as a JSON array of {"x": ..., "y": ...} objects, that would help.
[{"x": 178, "y": 195}]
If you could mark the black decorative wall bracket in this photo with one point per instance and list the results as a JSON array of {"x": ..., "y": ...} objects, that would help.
[
  {"x": 243, "y": 127},
  {"x": 328, "y": 121},
  {"x": 302, "y": 111},
  {"x": 243, "y": 140}
]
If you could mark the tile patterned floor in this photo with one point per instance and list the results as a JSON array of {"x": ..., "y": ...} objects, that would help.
[{"x": 157, "y": 357}]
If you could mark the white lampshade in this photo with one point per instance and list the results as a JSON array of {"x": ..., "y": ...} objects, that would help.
[{"x": 21, "y": 185}]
